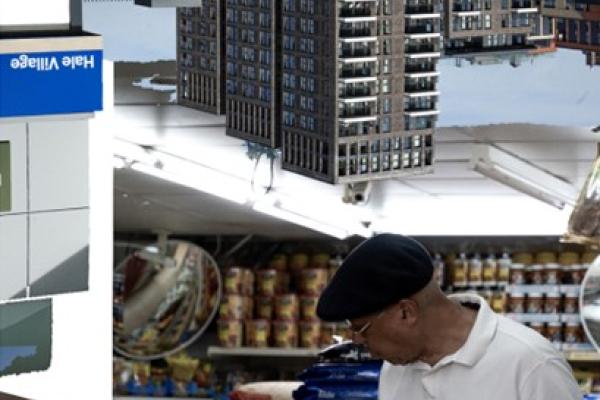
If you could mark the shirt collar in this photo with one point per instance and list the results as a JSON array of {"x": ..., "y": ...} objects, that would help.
[{"x": 481, "y": 334}]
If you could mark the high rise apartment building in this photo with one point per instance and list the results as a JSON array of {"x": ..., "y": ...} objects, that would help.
[
  {"x": 201, "y": 56},
  {"x": 359, "y": 88},
  {"x": 253, "y": 70}
]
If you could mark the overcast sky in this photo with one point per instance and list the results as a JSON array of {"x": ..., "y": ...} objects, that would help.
[{"x": 557, "y": 89}]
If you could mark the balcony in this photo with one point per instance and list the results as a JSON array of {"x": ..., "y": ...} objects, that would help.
[
  {"x": 357, "y": 129},
  {"x": 364, "y": 55},
  {"x": 349, "y": 115},
  {"x": 358, "y": 73},
  {"x": 418, "y": 111},
  {"x": 420, "y": 88},
  {"x": 356, "y": 92},
  {"x": 427, "y": 31},
  {"x": 522, "y": 4},
  {"x": 357, "y": 15},
  {"x": 357, "y": 112},
  {"x": 419, "y": 124},
  {"x": 357, "y": 32},
  {"x": 411, "y": 68},
  {"x": 425, "y": 50},
  {"x": 421, "y": 12}
]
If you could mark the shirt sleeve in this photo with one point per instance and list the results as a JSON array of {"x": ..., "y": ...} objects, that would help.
[{"x": 552, "y": 379}]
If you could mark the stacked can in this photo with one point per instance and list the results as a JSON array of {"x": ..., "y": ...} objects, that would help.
[
  {"x": 282, "y": 312},
  {"x": 236, "y": 306}
]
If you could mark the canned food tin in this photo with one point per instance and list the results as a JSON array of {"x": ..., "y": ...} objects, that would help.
[
  {"x": 308, "y": 308},
  {"x": 279, "y": 262},
  {"x": 230, "y": 333},
  {"x": 232, "y": 307},
  {"x": 319, "y": 261},
  {"x": 266, "y": 282},
  {"x": 287, "y": 307},
  {"x": 285, "y": 333},
  {"x": 239, "y": 281},
  {"x": 298, "y": 262},
  {"x": 313, "y": 281},
  {"x": 310, "y": 334},
  {"x": 258, "y": 333},
  {"x": 264, "y": 307}
]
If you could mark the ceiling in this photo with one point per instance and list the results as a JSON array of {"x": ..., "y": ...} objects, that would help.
[{"x": 452, "y": 200}]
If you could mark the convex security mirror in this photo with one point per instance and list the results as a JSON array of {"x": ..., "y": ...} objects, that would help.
[
  {"x": 589, "y": 303},
  {"x": 165, "y": 296}
]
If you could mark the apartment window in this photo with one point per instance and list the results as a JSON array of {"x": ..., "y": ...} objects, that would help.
[
  {"x": 385, "y": 86},
  {"x": 488, "y": 21},
  {"x": 387, "y": 66},
  {"x": 387, "y": 105},
  {"x": 385, "y": 124},
  {"x": 387, "y": 7},
  {"x": 387, "y": 46},
  {"x": 288, "y": 5},
  {"x": 387, "y": 27},
  {"x": 289, "y": 99}
]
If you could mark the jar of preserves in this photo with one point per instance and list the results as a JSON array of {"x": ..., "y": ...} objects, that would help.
[
  {"x": 460, "y": 271},
  {"x": 516, "y": 302},
  {"x": 535, "y": 274},
  {"x": 571, "y": 303},
  {"x": 475, "y": 271},
  {"x": 490, "y": 271},
  {"x": 554, "y": 332},
  {"x": 504, "y": 264},
  {"x": 551, "y": 274},
  {"x": 552, "y": 304},
  {"x": 573, "y": 332},
  {"x": 535, "y": 303},
  {"x": 517, "y": 274},
  {"x": 539, "y": 327}
]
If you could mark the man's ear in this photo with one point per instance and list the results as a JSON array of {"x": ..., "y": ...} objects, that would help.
[{"x": 408, "y": 311}]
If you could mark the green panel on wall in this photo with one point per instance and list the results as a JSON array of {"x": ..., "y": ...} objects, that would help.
[
  {"x": 25, "y": 336},
  {"x": 5, "y": 195}
]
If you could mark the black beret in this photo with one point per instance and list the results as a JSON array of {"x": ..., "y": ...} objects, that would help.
[{"x": 379, "y": 272}]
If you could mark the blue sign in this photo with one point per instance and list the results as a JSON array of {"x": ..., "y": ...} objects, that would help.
[{"x": 50, "y": 83}]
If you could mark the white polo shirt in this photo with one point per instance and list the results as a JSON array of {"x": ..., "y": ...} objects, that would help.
[{"x": 501, "y": 360}]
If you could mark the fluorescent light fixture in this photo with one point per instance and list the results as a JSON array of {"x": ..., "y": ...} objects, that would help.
[
  {"x": 275, "y": 210},
  {"x": 310, "y": 216},
  {"x": 202, "y": 181},
  {"x": 522, "y": 176}
]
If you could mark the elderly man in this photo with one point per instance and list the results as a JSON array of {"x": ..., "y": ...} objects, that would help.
[{"x": 438, "y": 347}]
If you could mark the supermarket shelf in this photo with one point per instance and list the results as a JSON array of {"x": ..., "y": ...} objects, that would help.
[
  {"x": 214, "y": 351},
  {"x": 582, "y": 356}
]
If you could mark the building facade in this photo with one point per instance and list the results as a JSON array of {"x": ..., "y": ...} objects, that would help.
[
  {"x": 201, "y": 56},
  {"x": 483, "y": 26},
  {"x": 359, "y": 78},
  {"x": 577, "y": 25},
  {"x": 253, "y": 62}
]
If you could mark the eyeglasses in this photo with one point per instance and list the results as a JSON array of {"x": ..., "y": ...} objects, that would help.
[{"x": 363, "y": 329}]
